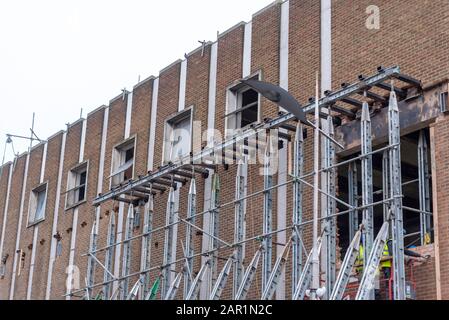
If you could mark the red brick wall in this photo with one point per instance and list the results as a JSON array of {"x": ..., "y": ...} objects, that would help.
[
  {"x": 45, "y": 228},
  {"x": 413, "y": 36},
  {"x": 26, "y": 239},
  {"x": 12, "y": 223},
  {"x": 407, "y": 35},
  {"x": 86, "y": 214},
  {"x": 65, "y": 217},
  {"x": 441, "y": 137}
]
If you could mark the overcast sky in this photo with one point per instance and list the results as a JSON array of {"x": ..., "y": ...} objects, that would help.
[{"x": 57, "y": 57}]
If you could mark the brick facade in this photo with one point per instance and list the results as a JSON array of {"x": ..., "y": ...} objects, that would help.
[{"x": 413, "y": 37}]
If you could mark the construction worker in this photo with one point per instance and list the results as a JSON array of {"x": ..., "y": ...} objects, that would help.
[
  {"x": 359, "y": 262},
  {"x": 385, "y": 262}
]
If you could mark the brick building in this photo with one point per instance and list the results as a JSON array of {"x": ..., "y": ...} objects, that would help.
[{"x": 47, "y": 216}]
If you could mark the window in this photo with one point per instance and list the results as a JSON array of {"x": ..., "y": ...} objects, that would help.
[
  {"x": 123, "y": 162},
  {"x": 242, "y": 107},
  {"x": 38, "y": 200},
  {"x": 178, "y": 136},
  {"x": 76, "y": 186}
]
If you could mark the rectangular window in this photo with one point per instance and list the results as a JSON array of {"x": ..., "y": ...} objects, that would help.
[
  {"x": 123, "y": 162},
  {"x": 38, "y": 201},
  {"x": 242, "y": 107},
  {"x": 76, "y": 186},
  {"x": 178, "y": 136}
]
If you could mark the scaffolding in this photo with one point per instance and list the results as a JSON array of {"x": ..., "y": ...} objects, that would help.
[{"x": 306, "y": 264}]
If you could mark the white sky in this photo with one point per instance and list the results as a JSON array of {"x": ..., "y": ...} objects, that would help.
[{"x": 57, "y": 57}]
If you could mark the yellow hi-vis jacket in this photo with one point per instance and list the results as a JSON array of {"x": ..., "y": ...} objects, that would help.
[{"x": 359, "y": 262}]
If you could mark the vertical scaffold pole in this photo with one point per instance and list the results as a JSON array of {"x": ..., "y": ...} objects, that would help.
[
  {"x": 396, "y": 194},
  {"x": 145, "y": 259},
  {"x": 189, "y": 249},
  {"x": 331, "y": 227},
  {"x": 214, "y": 231},
  {"x": 109, "y": 257},
  {"x": 353, "y": 195},
  {"x": 267, "y": 215},
  {"x": 298, "y": 167},
  {"x": 168, "y": 245},
  {"x": 367, "y": 185},
  {"x": 239, "y": 221},
  {"x": 91, "y": 263},
  {"x": 315, "y": 257},
  {"x": 127, "y": 251},
  {"x": 385, "y": 182},
  {"x": 424, "y": 186}
]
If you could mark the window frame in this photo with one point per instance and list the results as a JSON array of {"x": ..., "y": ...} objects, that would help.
[
  {"x": 234, "y": 105},
  {"x": 169, "y": 129},
  {"x": 72, "y": 179},
  {"x": 119, "y": 154},
  {"x": 33, "y": 204}
]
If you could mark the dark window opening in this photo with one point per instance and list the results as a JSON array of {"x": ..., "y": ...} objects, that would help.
[
  {"x": 129, "y": 156},
  {"x": 82, "y": 190},
  {"x": 250, "y": 107},
  {"x": 410, "y": 168}
]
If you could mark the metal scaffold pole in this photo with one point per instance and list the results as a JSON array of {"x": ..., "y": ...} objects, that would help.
[
  {"x": 145, "y": 259},
  {"x": 173, "y": 290},
  {"x": 109, "y": 256},
  {"x": 214, "y": 224},
  {"x": 127, "y": 252},
  {"x": 222, "y": 279},
  {"x": 330, "y": 223},
  {"x": 386, "y": 182},
  {"x": 367, "y": 185},
  {"x": 397, "y": 229},
  {"x": 298, "y": 167},
  {"x": 267, "y": 215},
  {"x": 168, "y": 245},
  {"x": 189, "y": 249},
  {"x": 315, "y": 261},
  {"x": 249, "y": 276},
  {"x": 195, "y": 287},
  {"x": 353, "y": 199},
  {"x": 424, "y": 187},
  {"x": 307, "y": 273},
  {"x": 91, "y": 260},
  {"x": 239, "y": 221},
  {"x": 278, "y": 269}
]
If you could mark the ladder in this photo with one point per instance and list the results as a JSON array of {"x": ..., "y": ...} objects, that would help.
[
  {"x": 249, "y": 276},
  {"x": 367, "y": 282},
  {"x": 276, "y": 273},
  {"x": 222, "y": 279},
  {"x": 173, "y": 290},
  {"x": 195, "y": 287},
  {"x": 346, "y": 268},
  {"x": 306, "y": 275}
]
